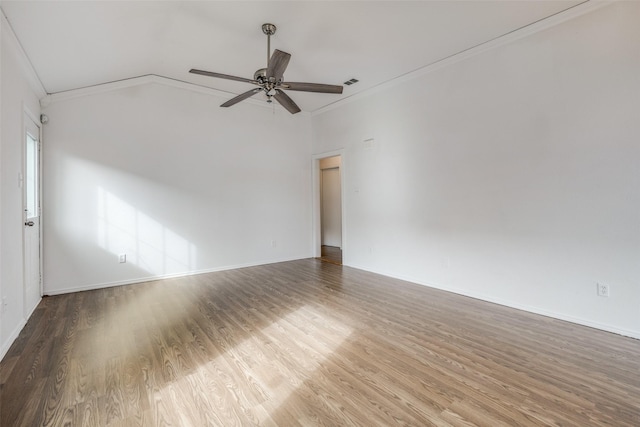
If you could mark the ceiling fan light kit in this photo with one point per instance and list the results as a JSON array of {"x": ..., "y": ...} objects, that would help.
[{"x": 270, "y": 80}]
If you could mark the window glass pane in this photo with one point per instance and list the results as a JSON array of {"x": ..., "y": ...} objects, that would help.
[{"x": 31, "y": 177}]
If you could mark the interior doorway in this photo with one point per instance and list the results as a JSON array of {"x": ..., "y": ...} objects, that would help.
[{"x": 331, "y": 209}]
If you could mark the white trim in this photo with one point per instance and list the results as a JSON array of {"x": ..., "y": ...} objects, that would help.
[
  {"x": 30, "y": 73},
  {"x": 169, "y": 276},
  {"x": 316, "y": 238},
  {"x": 568, "y": 14},
  {"x": 33, "y": 117},
  {"x": 28, "y": 315},
  {"x": 524, "y": 307},
  {"x": 40, "y": 204},
  {"x": 28, "y": 115},
  {"x": 530, "y": 29},
  {"x": 11, "y": 338},
  {"x": 16, "y": 332},
  {"x": 3, "y": 345},
  {"x": 148, "y": 79},
  {"x": 128, "y": 83}
]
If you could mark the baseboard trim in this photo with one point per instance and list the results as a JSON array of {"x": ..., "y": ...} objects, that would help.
[
  {"x": 524, "y": 307},
  {"x": 12, "y": 337},
  {"x": 133, "y": 281}
]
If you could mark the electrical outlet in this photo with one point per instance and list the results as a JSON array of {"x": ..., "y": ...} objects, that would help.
[
  {"x": 603, "y": 290},
  {"x": 122, "y": 258},
  {"x": 274, "y": 243}
]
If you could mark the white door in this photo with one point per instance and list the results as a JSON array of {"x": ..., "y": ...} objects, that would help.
[
  {"x": 331, "y": 205},
  {"x": 31, "y": 185}
]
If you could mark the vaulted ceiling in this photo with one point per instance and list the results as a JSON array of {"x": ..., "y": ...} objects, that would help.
[{"x": 84, "y": 43}]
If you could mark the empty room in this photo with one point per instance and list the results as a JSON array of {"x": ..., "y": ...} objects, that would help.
[{"x": 282, "y": 213}]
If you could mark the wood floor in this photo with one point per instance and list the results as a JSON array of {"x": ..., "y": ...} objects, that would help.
[
  {"x": 309, "y": 343},
  {"x": 331, "y": 254}
]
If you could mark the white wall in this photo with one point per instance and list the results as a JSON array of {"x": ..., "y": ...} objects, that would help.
[
  {"x": 512, "y": 176},
  {"x": 19, "y": 94},
  {"x": 174, "y": 181}
]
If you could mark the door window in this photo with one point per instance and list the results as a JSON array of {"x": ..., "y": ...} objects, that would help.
[{"x": 31, "y": 177}]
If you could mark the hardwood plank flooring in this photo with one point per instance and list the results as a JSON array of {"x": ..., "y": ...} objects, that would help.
[
  {"x": 309, "y": 343},
  {"x": 331, "y": 254}
]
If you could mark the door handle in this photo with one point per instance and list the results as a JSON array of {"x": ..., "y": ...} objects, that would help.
[{"x": 29, "y": 223}]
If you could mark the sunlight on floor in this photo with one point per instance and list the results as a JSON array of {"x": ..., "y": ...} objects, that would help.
[{"x": 264, "y": 380}]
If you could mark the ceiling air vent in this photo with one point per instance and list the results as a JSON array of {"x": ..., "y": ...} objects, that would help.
[{"x": 350, "y": 82}]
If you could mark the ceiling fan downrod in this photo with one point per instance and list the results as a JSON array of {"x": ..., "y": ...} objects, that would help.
[{"x": 269, "y": 30}]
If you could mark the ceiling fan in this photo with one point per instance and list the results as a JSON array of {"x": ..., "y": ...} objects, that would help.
[{"x": 270, "y": 80}]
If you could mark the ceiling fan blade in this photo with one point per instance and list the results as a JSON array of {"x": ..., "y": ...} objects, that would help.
[
  {"x": 277, "y": 64},
  {"x": 312, "y": 87},
  {"x": 241, "y": 97},
  {"x": 222, "y": 76},
  {"x": 286, "y": 102}
]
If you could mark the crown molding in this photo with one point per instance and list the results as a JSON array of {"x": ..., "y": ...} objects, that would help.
[
  {"x": 530, "y": 29},
  {"x": 144, "y": 80},
  {"x": 520, "y": 33},
  {"x": 124, "y": 84},
  {"x": 25, "y": 63}
]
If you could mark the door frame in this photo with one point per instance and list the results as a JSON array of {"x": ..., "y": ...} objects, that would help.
[
  {"x": 316, "y": 241},
  {"x": 28, "y": 115}
]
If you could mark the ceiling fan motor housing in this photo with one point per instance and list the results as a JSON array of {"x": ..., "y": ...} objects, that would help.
[
  {"x": 267, "y": 84},
  {"x": 260, "y": 76}
]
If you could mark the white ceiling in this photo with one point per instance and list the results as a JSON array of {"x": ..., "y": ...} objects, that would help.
[{"x": 84, "y": 43}]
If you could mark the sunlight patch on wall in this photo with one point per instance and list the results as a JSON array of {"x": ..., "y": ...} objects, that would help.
[{"x": 148, "y": 244}]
